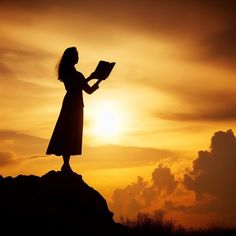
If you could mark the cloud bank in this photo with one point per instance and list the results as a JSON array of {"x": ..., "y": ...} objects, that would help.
[
  {"x": 138, "y": 196},
  {"x": 212, "y": 179},
  {"x": 8, "y": 158},
  {"x": 209, "y": 24}
]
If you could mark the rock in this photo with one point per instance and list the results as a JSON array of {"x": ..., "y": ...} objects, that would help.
[{"x": 56, "y": 203}]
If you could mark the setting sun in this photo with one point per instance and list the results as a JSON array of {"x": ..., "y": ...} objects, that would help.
[
  {"x": 106, "y": 120},
  {"x": 106, "y": 123}
]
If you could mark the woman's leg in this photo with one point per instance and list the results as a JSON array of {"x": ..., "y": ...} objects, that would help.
[
  {"x": 66, "y": 159},
  {"x": 66, "y": 164}
]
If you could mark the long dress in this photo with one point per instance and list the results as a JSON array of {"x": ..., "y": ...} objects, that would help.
[{"x": 68, "y": 132}]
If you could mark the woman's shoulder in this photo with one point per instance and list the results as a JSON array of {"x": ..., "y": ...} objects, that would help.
[{"x": 79, "y": 74}]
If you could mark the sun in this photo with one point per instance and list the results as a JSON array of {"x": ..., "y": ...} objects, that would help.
[
  {"x": 106, "y": 123},
  {"x": 107, "y": 120}
]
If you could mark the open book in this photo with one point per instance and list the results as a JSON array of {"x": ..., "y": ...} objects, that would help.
[{"x": 103, "y": 69}]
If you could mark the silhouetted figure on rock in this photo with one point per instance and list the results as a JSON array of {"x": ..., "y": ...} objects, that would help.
[{"x": 66, "y": 139}]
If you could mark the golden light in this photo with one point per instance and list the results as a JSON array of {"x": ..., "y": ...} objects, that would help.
[
  {"x": 106, "y": 123},
  {"x": 107, "y": 120}
]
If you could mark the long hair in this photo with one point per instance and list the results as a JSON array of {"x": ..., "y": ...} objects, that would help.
[{"x": 67, "y": 61}]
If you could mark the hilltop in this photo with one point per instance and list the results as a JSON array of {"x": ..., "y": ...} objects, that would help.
[{"x": 55, "y": 203}]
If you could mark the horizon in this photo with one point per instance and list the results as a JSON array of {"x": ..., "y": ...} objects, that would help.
[{"x": 159, "y": 132}]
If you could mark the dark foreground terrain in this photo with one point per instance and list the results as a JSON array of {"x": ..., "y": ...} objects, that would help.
[
  {"x": 61, "y": 203},
  {"x": 56, "y": 203}
]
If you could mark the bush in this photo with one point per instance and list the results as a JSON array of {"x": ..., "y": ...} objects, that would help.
[{"x": 150, "y": 225}]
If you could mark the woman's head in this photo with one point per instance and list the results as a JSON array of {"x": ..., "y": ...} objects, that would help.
[{"x": 69, "y": 58}]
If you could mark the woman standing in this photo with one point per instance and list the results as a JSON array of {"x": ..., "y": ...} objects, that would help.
[{"x": 67, "y": 136}]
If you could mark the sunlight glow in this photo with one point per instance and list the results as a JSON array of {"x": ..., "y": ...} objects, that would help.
[
  {"x": 106, "y": 123},
  {"x": 106, "y": 120}
]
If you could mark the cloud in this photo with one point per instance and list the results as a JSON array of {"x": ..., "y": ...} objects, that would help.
[
  {"x": 199, "y": 102},
  {"x": 213, "y": 180},
  {"x": 226, "y": 113},
  {"x": 117, "y": 156},
  {"x": 221, "y": 44},
  {"x": 4, "y": 70},
  {"x": 8, "y": 158},
  {"x": 103, "y": 157},
  {"x": 24, "y": 90},
  {"x": 163, "y": 184},
  {"x": 22, "y": 73},
  {"x": 22, "y": 144},
  {"x": 16, "y": 62},
  {"x": 140, "y": 195},
  {"x": 214, "y": 171},
  {"x": 163, "y": 179},
  {"x": 207, "y": 24},
  {"x": 15, "y": 53},
  {"x": 125, "y": 200}
]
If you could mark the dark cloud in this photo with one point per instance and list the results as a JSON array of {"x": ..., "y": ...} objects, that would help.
[
  {"x": 221, "y": 44},
  {"x": 170, "y": 206},
  {"x": 213, "y": 180},
  {"x": 214, "y": 171},
  {"x": 226, "y": 113},
  {"x": 209, "y": 25},
  {"x": 8, "y": 158},
  {"x": 138, "y": 196},
  {"x": 163, "y": 184},
  {"x": 163, "y": 180},
  {"x": 125, "y": 201},
  {"x": 201, "y": 103},
  {"x": 22, "y": 144}
]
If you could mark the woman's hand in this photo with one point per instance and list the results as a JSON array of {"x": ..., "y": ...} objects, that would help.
[
  {"x": 92, "y": 76},
  {"x": 98, "y": 82}
]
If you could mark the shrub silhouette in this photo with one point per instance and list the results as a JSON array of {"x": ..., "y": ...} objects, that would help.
[{"x": 150, "y": 225}]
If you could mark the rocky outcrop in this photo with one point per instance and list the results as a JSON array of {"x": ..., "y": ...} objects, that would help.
[{"x": 56, "y": 203}]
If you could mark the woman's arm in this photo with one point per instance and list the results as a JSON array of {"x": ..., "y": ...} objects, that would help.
[
  {"x": 90, "y": 89},
  {"x": 92, "y": 76},
  {"x": 84, "y": 83}
]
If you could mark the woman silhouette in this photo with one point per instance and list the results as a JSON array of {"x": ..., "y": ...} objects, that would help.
[{"x": 66, "y": 139}]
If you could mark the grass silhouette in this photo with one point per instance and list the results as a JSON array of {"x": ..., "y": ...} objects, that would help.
[{"x": 150, "y": 225}]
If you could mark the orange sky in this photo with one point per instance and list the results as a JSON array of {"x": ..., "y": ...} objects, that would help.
[{"x": 172, "y": 88}]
